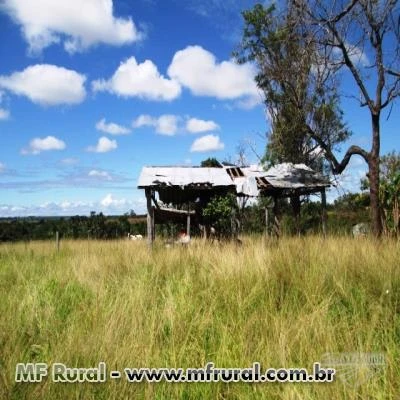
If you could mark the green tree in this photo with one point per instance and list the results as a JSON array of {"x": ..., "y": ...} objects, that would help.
[
  {"x": 337, "y": 35},
  {"x": 296, "y": 94},
  {"x": 220, "y": 212},
  {"x": 210, "y": 162},
  {"x": 389, "y": 192}
]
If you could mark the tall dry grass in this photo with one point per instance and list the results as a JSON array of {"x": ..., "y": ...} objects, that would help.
[{"x": 283, "y": 303}]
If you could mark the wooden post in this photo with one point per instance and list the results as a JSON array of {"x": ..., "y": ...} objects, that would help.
[
  {"x": 153, "y": 221},
  {"x": 277, "y": 222},
  {"x": 323, "y": 211},
  {"x": 188, "y": 222},
  {"x": 266, "y": 222},
  {"x": 58, "y": 241},
  {"x": 150, "y": 218},
  {"x": 234, "y": 232}
]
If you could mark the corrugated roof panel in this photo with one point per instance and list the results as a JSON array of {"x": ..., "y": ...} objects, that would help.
[
  {"x": 183, "y": 176},
  {"x": 248, "y": 180}
]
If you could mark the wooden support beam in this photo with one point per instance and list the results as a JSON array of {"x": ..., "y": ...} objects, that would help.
[
  {"x": 234, "y": 231},
  {"x": 266, "y": 222},
  {"x": 57, "y": 241},
  {"x": 323, "y": 211},
  {"x": 188, "y": 221},
  {"x": 153, "y": 220},
  {"x": 277, "y": 222},
  {"x": 153, "y": 197},
  {"x": 150, "y": 218}
]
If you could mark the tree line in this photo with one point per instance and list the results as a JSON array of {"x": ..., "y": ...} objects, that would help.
[
  {"x": 346, "y": 211},
  {"x": 95, "y": 226}
]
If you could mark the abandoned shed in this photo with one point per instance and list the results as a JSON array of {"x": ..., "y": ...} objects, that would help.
[
  {"x": 180, "y": 186},
  {"x": 284, "y": 180},
  {"x": 183, "y": 185}
]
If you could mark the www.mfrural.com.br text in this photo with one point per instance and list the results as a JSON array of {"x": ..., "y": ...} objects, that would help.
[{"x": 61, "y": 373}]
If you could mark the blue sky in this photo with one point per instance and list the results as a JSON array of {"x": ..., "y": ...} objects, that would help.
[{"x": 91, "y": 91}]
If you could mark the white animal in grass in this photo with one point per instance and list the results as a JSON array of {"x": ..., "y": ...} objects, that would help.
[
  {"x": 212, "y": 232},
  {"x": 183, "y": 238},
  {"x": 134, "y": 237}
]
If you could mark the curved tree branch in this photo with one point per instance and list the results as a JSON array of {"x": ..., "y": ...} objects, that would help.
[{"x": 338, "y": 167}]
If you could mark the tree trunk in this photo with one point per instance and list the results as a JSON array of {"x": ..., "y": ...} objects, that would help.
[{"x": 373, "y": 165}]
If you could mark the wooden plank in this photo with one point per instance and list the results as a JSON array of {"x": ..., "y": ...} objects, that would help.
[
  {"x": 57, "y": 241},
  {"x": 323, "y": 211},
  {"x": 150, "y": 218},
  {"x": 188, "y": 225},
  {"x": 277, "y": 222}
]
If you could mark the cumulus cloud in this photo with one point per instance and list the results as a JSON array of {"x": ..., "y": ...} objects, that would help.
[
  {"x": 111, "y": 201},
  {"x": 111, "y": 128},
  {"x": 108, "y": 204},
  {"x": 198, "y": 70},
  {"x": 46, "y": 84},
  {"x": 38, "y": 145},
  {"x": 139, "y": 80},
  {"x": 78, "y": 24},
  {"x": 94, "y": 173},
  {"x": 194, "y": 125},
  {"x": 166, "y": 124},
  {"x": 207, "y": 143},
  {"x": 2, "y": 167},
  {"x": 144, "y": 120},
  {"x": 104, "y": 145},
  {"x": 4, "y": 114}
]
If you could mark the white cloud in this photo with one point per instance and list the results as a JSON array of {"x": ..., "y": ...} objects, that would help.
[
  {"x": 48, "y": 143},
  {"x": 109, "y": 205},
  {"x": 139, "y": 80},
  {"x": 207, "y": 143},
  {"x": 110, "y": 201},
  {"x": 249, "y": 102},
  {"x": 198, "y": 70},
  {"x": 111, "y": 128},
  {"x": 78, "y": 24},
  {"x": 2, "y": 167},
  {"x": 4, "y": 114},
  {"x": 104, "y": 145},
  {"x": 46, "y": 84},
  {"x": 144, "y": 120},
  {"x": 195, "y": 125},
  {"x": 166, "y": 124},
  {"x": 94, "y": 173}
]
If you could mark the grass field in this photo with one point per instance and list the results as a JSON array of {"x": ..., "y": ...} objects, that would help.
[{"x": 283, "y": 303}]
